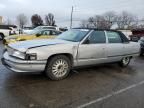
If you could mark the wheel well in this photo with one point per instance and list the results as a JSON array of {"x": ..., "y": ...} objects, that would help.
[
  {"x": 65, "y": 54},
  {"x": 2, "y": 34},
  {"x": 131, "y": 57}
]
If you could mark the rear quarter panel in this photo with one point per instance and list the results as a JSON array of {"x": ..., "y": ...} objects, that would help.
[{"x": 132, "y": 48}]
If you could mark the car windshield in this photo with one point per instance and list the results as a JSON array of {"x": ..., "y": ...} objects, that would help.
[{"x": 74, "y": 35}]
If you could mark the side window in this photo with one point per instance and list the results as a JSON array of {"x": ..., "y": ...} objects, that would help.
[
  {"x": 97, "y": 37},
  {"x": 55, "y": 33},
  {"x": 114, "y": 37},
  {"x": 124, "y": 38},
  {"x": 45, "y": 32}
]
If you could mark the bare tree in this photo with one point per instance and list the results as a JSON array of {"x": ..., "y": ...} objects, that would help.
[
  {"x": 49, "y": 19},
  {"x": 22, "y": 20},
  {"x": 110, "y": 17},
  {"x": 36, "y": 20},
  {"x": 84, "y": 24},
  {"x": 8, "y": 22},
  {"x": 126, "y": 20},
  {"x": 97, "y": 21},
  {"x": 141, "y": 24}
]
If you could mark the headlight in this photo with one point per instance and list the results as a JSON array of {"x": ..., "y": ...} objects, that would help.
[
  {"x": 18, "y": 54},
  {"x": 31, "y": 56}
]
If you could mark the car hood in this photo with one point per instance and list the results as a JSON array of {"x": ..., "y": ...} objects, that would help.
[
  {"x": 25, "y": 45},
  {"x": 17, "y": 36}
]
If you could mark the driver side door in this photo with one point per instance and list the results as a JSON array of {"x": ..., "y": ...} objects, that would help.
[{"x": 92, "y": 51}]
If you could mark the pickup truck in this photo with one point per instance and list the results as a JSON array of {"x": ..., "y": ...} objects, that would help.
[
  {"x": 6, "y": 30},
  {"x": 3, "y": 33},
  {"x": 73, "y": 48}
]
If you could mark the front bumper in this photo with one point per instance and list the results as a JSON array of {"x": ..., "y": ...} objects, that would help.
[{"x": 18, "y": 65}]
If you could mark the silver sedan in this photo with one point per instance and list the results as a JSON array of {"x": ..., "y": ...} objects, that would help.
[{"x": 73, "y": 48}]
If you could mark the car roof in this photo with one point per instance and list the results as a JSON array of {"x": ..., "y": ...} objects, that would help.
[
  {"x": 99, "y": 29},
  {"x": 49, "y": 29},
  {"x": 48, "y": 26}
]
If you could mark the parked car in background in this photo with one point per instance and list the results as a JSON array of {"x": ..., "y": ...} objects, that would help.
[
  {"x": 135, "y": 38},
  {"x": 73, "y": 48},
  {"x": 63, "y": 29},
  {"x": 6, "y": 30},
  {"x": 26, "y": 30},
  {"x": 40, "y": 28},
  {"x": 141, "y": 41},
  {"x": 37, "y": 34}
]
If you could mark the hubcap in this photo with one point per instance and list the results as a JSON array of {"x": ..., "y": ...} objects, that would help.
[
  {"x": 126, "y": 60},
  {"x": 60, "y": 68}
]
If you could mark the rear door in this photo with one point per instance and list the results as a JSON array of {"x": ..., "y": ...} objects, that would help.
[
  {"x": 92, "y": 51},
  {"x": 129, "y": 47},
  {"x": 115, "y": 48}
]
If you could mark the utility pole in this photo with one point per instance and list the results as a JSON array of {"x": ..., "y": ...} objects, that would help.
[{"x": 71, "y": 21}]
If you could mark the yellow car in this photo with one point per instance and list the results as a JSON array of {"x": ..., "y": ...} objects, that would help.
[{"x": 38, "y": 34}]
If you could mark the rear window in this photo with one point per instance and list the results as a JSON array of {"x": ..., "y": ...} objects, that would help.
[{"x": 114, "y": 37}]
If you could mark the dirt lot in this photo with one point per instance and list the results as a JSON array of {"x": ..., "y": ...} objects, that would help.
[{"x": 104, "y": 86}]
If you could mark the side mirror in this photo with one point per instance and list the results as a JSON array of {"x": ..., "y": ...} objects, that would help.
[
  {"x": 86, "y": 41},
  {"x": 37, "y": 35}
]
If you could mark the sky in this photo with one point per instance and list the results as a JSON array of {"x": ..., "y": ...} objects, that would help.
[{"x": 83, "y": 9}]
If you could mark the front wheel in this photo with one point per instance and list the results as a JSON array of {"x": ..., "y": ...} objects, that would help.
[
  {"x": 125, "y": 61},
  {"x": 58, "y": 67}
]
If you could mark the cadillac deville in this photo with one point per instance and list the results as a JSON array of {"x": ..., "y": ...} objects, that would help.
[{"x": 73, "y": 48}]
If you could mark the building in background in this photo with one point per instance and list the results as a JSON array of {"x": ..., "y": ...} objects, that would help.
[{"x": 1, "y": 19}]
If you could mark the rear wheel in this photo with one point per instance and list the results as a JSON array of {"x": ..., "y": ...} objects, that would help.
[
  {"x": 125, "y": 61},
  {"x": 58, "y": 67},
  {"x": 141, "y": 53}
]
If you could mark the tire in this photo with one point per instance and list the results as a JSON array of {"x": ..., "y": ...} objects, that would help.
[
  {"x": 141, "y": 53},
  {"x": 125, "y": 61},
  {"x": 1, "y": 36},
  {"x": 58, "y": 67},
  {"x": 4, "y": 42}
]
